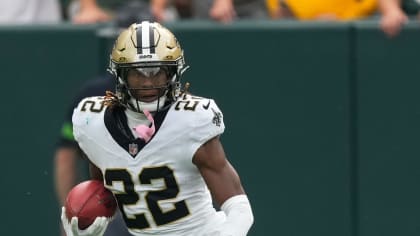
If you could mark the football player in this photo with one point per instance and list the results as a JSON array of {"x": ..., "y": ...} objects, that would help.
[{"x": 157, "y": 147}]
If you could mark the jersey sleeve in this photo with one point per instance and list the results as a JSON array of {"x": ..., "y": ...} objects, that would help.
[
  {"x": 77, "y": 117},
  {"x": 85, "y": 118},
  {"x": 208, "y": 123}
]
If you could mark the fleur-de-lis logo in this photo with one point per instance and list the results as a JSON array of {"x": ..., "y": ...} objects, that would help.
[{"x": 217, "y": 119}]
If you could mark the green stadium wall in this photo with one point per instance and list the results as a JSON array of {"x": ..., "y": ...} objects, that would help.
[{"x": 322, "y": 119}]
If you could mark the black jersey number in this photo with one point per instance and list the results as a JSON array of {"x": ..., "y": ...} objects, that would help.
[
  {"x": 152, "y": 198},
  {"x": 188, "y": 104},
  {"x": 93, "y": 106}
]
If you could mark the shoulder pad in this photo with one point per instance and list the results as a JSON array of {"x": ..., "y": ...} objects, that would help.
[
  {"x": 201, "y": 114},
  {"x": 88, "y": 113}
]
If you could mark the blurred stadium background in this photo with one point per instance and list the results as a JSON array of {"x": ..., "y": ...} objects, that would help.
[{"x": 323, "y": 119}]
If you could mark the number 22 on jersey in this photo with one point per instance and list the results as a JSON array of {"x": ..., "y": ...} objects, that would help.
[{"x": 130, "y": 196}]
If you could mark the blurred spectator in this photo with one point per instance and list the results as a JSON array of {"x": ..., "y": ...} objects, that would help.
[
  {"x": 229, "y": 10},
  {"x": 129, "y": 11},
  {"x": 395, "y": 14},
  {"x": 183, "y": 8},
  {"x": 123, "y": 12},
  {"x": 70, "y": 164},
  {"x": 322, "y": 9},
  {"x": 273, "y": 7},
  {"x": 30, "y": 12},
  {"x": 88, "y": 11}
]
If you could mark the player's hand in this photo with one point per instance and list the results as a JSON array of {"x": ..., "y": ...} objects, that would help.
[
  {"x": 97, "y": 228},
  {"x": 222, "y": 11},
  {"x": 158, "y": 10},
  {"x": 392, "y": 22},
  {"x": 91, "y": 15}
]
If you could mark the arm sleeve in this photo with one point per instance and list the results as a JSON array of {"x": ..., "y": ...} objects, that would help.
[{"x": 239, "y": 217}]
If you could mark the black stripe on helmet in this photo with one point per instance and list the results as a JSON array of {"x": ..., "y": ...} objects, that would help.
[
  {"x": 139, "y": 40},
  {"x": 152, "y": 38}
]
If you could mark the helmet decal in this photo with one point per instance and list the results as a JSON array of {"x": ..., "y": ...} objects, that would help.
[{"x": 145, "y": 39}]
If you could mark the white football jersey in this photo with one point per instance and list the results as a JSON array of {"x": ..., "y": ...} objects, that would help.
[{"x": 158, "y": 188}]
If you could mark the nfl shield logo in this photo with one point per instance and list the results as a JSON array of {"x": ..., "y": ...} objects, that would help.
[{"x": 133, "y": 149}]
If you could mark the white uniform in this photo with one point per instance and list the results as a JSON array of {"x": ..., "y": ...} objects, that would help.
[{"x": 158, "y": 188}]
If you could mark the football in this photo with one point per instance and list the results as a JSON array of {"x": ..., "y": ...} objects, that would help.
[{"x": 88, "y": 200}]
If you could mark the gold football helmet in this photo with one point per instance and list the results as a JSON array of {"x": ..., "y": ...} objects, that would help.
[{"x": 147, "y": 47}]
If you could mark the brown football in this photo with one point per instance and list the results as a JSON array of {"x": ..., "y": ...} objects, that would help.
[{"x": 88, "y": 200}]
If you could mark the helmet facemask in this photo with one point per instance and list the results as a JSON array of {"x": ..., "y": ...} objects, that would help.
[{"x": 150, "y": 87}]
